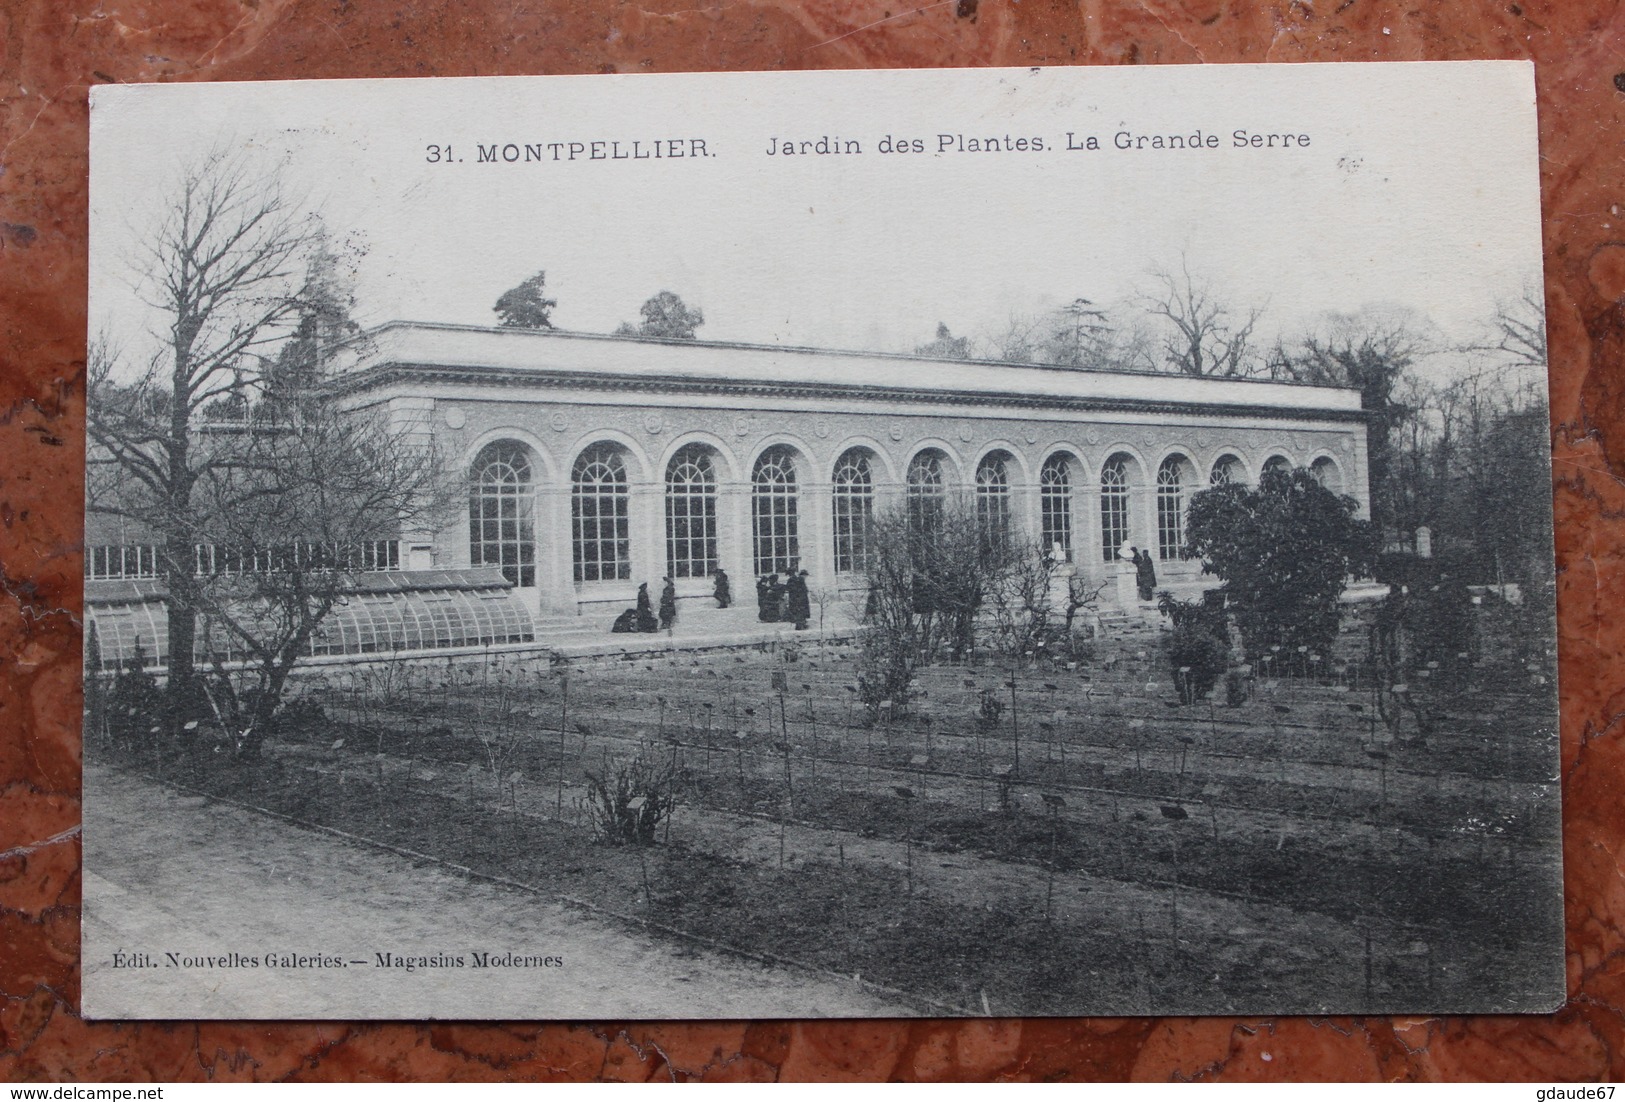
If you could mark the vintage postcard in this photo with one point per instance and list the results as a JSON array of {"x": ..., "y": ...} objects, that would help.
[{"x": 998, "y": 542}]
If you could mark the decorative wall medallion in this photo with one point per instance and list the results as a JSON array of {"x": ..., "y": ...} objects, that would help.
[
  {"x": 1093, "y": 437},
  {"x": 455, "y": 418},
  {"x": 897, "y": 430},
  {"x": 741, "y": 426},
  {"x": 652, "y": 423},
  {"x": 1202, "y": 439},
  {"x": 1032, "y": 435},
  {"x": 821, "y": 429},
  {"x": 1347, "y": 444},
  {"x": 1148, "y": 438},
  {"x": 965, "y": 432},
  {"x": 559, "y": 422}
]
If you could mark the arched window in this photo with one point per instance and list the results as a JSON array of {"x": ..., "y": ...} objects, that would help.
[
  {"x": 993, "y": 499},
  {"x": 1055, "y": 506},
  {"x": 773, "y": 512},
  {"x": 854, "y": 508},
  {"x": 600, "y": 516},
  {"x": 1227, "y": 470},
  {"x": 1113, "y": 507},
  {"x": 1277, "y": 463},
  {"x": 1170, "y": 508},
  {"x": 691, "y": 513},
  {"x": 501, "y": 512},
  {"x": 925, "y": 492},
  {"x": 1326, "y": 473}
]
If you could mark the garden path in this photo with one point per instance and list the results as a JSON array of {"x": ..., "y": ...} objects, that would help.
[{"x": 298, "y": 891}]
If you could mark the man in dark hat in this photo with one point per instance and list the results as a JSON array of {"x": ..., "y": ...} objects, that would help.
[
  {"x": 800, "y": 603},
  {"x": 721, "y": 591},
  {"x": 764, "y": 598}
]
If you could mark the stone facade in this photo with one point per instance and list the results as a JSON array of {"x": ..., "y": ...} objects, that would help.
[{"x": 598, "y": 463}]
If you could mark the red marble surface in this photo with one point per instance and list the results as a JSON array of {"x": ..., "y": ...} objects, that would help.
[{"x": 54, "y": 49}]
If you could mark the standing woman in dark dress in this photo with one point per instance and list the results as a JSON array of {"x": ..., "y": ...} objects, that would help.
[
  {"x": 764, "y": 598},
  {"x": 646, "y": 612},
  {"x": 668, "y": 605},
  {"x": 721, "y": 591}
]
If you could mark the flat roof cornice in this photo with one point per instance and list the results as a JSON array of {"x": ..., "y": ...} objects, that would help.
[{"x": 550, "y": 358}]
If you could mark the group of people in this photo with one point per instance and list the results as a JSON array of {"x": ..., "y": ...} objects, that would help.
[
  {"x": 644, "y": 619},
  {"x": 788, "y": 601},
  {"x": 784, "y": 602}
]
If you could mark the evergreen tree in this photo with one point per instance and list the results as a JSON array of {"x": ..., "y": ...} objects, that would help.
[
  {"x": 524, "y": 307},
  {"x": 1283, "y": 551},
  {"x": 946, "y": 346}
]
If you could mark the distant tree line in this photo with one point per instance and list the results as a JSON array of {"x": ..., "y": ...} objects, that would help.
[{"x": 1457, "y": 432}]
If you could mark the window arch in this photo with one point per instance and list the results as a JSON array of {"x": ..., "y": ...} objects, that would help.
[
  {"x": 1275, "y": 463},
  {"x": 1171, "y": 507},
  {"x": 1227, "y": 470},
  {"x": 691, "y": 513},
  {"x": 1055, "y": 505},
  {"x": 993, "y": 498},
  {"x": 600, "y": 514},
  {"x": 925, "y": 491},
  {"x": 775, "y": 522},
  {"x": 501, "y": 512},
  {"x": 853, "y": 507},
  {"x": 1327, "y": 474},
  {"x": 1113, "y": 507}
]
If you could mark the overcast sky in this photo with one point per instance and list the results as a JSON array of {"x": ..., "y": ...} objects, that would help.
[{"x": 1418, "y": 189}]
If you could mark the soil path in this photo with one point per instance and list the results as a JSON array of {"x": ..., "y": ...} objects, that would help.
[{"x": 273, "y": 889}]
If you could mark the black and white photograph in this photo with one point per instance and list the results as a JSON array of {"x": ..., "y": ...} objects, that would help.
[{"x": 1003, "y": 542}]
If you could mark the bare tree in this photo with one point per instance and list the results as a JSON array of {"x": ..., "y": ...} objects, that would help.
[
  {"x": 1020, "y": 602},
  {"x": 1371, "y": 351},
  {"x": 1203, "y": 335},
  {"x": 1519, "y": 328},
  {"x": 222, "y": 264},
  {"x": 933, "y": 566},
  {"x": 293, "y": 511},
  {"x": 1080, "y": 334},
  {"x": 1020, "y": 341},
  {"x": 1513, "y": 345}
]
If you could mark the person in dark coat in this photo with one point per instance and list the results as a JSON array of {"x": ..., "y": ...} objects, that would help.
[
  {"x": 646, "y": 612},
  {"x": 1145, "y": 574},
  {"x": 776, "y": 593},
  {"x": 721, "y": 590},
  {"x": 871, "y": 604},
  {"x": 626, "y": 623},
  {"x": 668, "y": 605},
  {"x": 764, "y": 599},
  {"x": 799, "y": 602}
]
